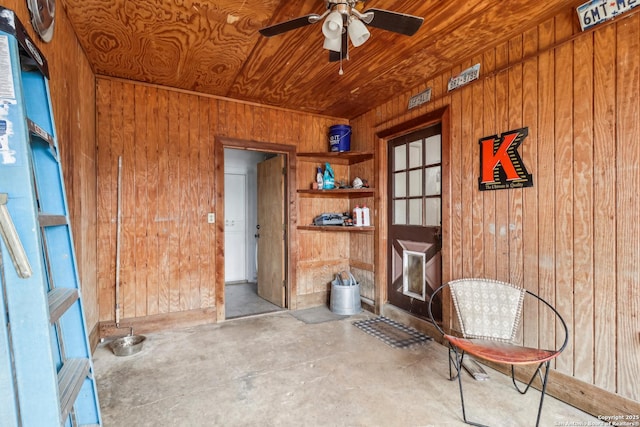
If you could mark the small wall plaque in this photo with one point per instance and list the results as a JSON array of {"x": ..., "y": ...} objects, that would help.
[
  {"x": 419, "y": 99},
  {"x": 465, "y": 77}
]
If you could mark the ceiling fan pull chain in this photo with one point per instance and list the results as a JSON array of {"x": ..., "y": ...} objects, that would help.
[{"x": 341, "y": 72}]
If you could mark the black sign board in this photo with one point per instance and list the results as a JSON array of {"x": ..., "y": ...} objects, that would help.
[{"x": 501, "y": 166}]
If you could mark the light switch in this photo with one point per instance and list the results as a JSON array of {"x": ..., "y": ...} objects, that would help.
[{"x": 211, "y": 217}]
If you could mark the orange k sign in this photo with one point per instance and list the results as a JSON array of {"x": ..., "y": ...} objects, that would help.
[{"x": 500, "y": 163}]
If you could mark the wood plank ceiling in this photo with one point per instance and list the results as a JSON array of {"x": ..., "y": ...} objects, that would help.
[{"x": 214, "y": 47}]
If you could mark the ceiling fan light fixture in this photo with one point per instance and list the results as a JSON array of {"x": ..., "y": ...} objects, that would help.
[
  {"x": 344, "y": 21},
  {"x": 343, "y": 8},
  {"x": 332, "y": 44},
  {"x": 332, "y": 26},
  {"x": 358, "y": 32}
]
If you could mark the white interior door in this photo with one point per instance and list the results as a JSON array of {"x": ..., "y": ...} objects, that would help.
[{"x": 235, "y": 225}]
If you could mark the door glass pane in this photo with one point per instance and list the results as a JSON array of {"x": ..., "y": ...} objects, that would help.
[
  {"x": 400, "y": 212},
  {"x": 432, "y": 150},
  {"x": 400, "y": 157},
  {"x": 400, "y": 184},
  {"x": 432, "y": 184},
  {"x": 432, "y": 212},
  {"x": 415, "y": 183},
  {"x": 415, "y": 154},
  {"x": 415, "y": 211}
]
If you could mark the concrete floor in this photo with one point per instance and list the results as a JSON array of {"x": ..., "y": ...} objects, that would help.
[{"x": 276, "y": 370}]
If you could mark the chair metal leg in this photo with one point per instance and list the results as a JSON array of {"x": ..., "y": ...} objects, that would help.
[
  {"x": 543, "y": 380},
  {"x": 453, "y": 353},
  {"x": 543, "y": 391},
  {"x": 458, "y": 366},
  {"x": 533, "y": 377},
  {"x": 457, "y": 362}
]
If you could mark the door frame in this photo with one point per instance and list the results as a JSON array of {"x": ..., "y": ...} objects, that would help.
[
  {"x": 384, "y": 135},
  {"x": 289, "y": 151}
]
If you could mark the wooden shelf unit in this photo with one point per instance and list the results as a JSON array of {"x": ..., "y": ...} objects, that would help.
[
  {"x": 344, "y": 159},
  {"x": 345, "y": 228},
  {"x": 340, "y": 192}
]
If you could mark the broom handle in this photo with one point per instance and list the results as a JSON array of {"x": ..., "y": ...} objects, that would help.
[{"x": 118, "y": 226}]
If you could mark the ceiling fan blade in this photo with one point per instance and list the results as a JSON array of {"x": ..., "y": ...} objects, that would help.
[
  {"x": 394, "y": 21},
  {"x": 344, "y": 53},
  {"x": 283, "y": 27}
]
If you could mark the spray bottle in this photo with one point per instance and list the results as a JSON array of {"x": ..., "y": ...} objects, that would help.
[{"x": 319, "y": 178}]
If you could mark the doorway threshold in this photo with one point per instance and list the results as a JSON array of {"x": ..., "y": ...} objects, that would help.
[{"x": 242, "y": 300}]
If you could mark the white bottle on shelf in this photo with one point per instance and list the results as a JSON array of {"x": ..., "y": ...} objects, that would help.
[
  {"x": 366, "y": 217},
  {"x": 319, "y": 178},
  {"x": 357, "y": 216}
]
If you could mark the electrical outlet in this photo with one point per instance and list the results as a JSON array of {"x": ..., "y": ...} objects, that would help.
[{"x": 211, "y": 217}]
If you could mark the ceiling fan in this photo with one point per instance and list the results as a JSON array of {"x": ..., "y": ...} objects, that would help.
[{"x": 345, "y": 21}]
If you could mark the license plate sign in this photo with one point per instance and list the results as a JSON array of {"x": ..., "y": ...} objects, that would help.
[{"x": 597, "y": 11}]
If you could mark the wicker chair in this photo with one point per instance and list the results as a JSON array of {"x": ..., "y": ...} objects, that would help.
[{"x": 489, "y": 314}]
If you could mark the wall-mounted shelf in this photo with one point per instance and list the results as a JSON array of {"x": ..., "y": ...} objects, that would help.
[
  {"x": 340, "y": 192},
  {"x": 344, "y": 158},
  {"x": 351, "y": 229}
]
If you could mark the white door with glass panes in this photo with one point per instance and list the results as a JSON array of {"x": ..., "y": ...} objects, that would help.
[{"x": 415, "y": 220}]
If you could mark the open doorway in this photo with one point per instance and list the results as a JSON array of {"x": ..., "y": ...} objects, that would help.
[{"x": 255, "y": 247}]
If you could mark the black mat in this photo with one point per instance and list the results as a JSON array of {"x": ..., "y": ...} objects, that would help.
[{"x": 391, "y": 332}]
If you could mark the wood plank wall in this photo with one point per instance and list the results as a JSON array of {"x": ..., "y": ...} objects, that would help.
[
  {"x": 72, "y": 87},
  {"x": 166, "y": 141},
  {"x": 575, "y": 236},
  {"x": 571, "y": 237}
]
